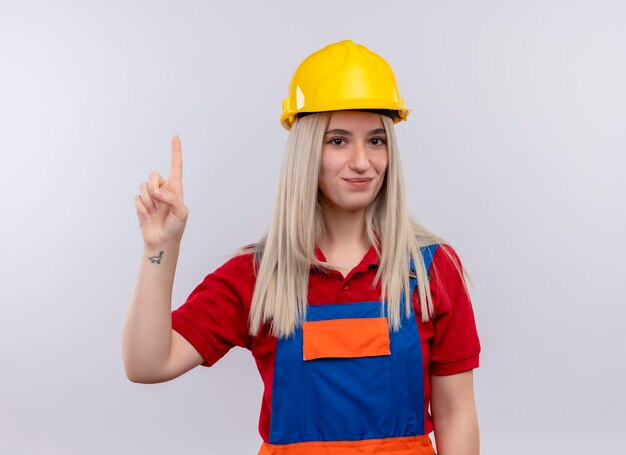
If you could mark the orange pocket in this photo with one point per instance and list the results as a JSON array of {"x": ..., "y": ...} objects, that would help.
[{"x": 346, "y": 338}]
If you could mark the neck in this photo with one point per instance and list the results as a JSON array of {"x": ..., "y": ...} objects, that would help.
[{"x": 344, "y": 242}]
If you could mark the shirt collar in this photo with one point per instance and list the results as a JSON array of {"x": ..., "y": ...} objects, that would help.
[{"x": 370, "y": 259}]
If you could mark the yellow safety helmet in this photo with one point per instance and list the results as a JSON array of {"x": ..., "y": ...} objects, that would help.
[{"x": 343, "y": 76}]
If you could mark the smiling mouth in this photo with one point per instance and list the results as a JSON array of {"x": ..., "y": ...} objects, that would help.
[{"x": 359, "y": 180}]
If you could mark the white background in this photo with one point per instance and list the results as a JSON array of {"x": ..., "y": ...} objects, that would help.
[{"x": 514, "y": 152}]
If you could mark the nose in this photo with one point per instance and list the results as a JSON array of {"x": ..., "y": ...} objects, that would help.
[{"x": 358, "y": 159}]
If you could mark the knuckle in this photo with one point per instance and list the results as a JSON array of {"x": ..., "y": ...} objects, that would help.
[{"x": 182, "y": 216}]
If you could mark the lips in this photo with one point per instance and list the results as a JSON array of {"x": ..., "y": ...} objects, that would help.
[{"x": 359, "y": 182}]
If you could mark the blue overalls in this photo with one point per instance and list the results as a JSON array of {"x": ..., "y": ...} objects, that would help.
[{"x": 364, "y": 398}]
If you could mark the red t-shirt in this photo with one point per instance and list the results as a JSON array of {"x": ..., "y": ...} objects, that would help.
[{"x": 215, "y": 318}]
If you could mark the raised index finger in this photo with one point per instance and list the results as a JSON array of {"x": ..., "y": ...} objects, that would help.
[{"x": 176, "y": 168}]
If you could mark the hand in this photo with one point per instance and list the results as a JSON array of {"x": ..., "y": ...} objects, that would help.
[{"x": 160, "y": 208}]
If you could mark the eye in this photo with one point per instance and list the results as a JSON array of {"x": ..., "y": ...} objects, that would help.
[
  {"x": 337, "y": 141},
  {"x": 378, "y": 141}
]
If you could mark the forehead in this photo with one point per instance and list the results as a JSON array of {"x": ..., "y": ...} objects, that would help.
[{"x": 354, "y": 121}]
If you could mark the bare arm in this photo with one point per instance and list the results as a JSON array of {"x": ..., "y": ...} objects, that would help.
[
  {"x": 152, "y": 351},
  {"x": 454, "y": 414}
]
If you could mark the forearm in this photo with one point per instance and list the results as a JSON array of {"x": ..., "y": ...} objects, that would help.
[
  {"x": 454, "y": 414},
  {"x": 147, "y": 336},
  {"x": 457, "y": 433}
]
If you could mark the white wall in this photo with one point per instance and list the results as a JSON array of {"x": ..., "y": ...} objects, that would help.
[{"x": 514, "y": 151}]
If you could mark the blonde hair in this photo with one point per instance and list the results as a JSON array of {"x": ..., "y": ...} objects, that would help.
[{"x": 286, "y": 253}]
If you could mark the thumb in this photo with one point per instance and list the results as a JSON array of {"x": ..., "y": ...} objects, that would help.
[{"x": 177, "y": 207}]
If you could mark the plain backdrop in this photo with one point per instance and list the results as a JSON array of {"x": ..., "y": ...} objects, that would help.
[{"x": 514, "y": 152}]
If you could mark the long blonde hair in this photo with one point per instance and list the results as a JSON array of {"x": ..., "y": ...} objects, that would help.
[{"x": 286, "y": 253}]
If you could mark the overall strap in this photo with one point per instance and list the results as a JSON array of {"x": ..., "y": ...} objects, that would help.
[{"x": 428, "y": 253}]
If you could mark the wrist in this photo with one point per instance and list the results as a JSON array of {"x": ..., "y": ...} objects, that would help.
[{"x": 156, "y": 248}]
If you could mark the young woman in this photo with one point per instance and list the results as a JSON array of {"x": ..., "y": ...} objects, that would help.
[{"x": 358, "y": 318}]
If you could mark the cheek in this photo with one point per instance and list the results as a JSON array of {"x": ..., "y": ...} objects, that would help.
[
  {"x": 381, "y": 164},
  {"x": 381, "y": 169},
  {"x": 329, "y": 169},
  {"x": 328, "y": 162},
  {"x": 323, "y": 176}
]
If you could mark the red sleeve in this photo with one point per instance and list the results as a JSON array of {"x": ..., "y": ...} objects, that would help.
[
  {"x": 214, "y": 318},
  {"x": 455, "y": 346}
]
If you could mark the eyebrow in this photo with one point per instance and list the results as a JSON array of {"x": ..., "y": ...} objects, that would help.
[{"x": 348, "y": 133}]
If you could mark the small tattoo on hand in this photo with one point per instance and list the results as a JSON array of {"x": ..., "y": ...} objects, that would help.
[{"x": 156, "y": 259}]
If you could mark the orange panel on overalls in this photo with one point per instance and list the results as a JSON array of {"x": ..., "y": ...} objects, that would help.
[{"x": 345, "y": 384}]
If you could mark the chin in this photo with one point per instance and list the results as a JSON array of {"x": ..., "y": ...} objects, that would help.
[
  {"x": 354, "y": 202},
  {"x": 354, "y": 205}
]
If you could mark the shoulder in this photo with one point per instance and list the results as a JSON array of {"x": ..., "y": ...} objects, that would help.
[
  {"x": 234, "y": 279},
  {"x": 447, "y": 280},
  {"x": 446, "y": 258},
  {"x": 440, "y": 257},
  {"x": 240, "y": 266}
]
